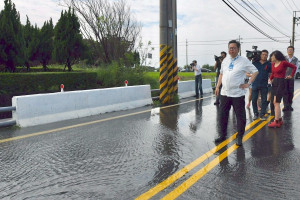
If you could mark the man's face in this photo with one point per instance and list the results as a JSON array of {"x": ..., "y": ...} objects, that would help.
[
  {"x": 290, "y": 51},
  {"x": 264, "y": 56},
  {"x": 223, "y": 55},
  {"x": 233, "y": 50}
]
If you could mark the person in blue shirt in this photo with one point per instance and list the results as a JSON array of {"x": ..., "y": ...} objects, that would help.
[{"x": 260, "y": 85}]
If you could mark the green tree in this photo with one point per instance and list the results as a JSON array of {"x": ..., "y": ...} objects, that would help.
[
  {"x": 45, "y": 44},
  {"x": 68, "y": 42},
  {"x": 11, "y": 38},
  {"x": 31, "y": 40}
]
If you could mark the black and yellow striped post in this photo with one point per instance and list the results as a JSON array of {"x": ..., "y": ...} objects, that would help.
[
  {"x": 170, "y": 75},
  {"x": 163, "y": 79},
  {"x": 175, "y": 75}
]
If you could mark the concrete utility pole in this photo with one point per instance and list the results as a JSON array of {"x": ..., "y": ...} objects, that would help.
[
  {"x": 295, "y": 21},
  {"x": 168, "y": 51},
  {"x": 186, "y": 52}
]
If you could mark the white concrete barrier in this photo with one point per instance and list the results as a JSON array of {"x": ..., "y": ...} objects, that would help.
[
  {"x": 39, "y": 109},
  {"x": 187, "y": 88}
]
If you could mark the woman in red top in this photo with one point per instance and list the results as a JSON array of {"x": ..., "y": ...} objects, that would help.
[{"x": 279, "y": 66}]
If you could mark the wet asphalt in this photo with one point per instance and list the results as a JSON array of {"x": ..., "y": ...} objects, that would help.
[{"x": 152, "y": 153}]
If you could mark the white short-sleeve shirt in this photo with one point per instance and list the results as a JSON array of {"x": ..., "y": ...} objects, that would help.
[{"x": 233, "y": 78}]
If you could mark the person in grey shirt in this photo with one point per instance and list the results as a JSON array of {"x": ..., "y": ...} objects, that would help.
[{"x": 289, "y": 95}]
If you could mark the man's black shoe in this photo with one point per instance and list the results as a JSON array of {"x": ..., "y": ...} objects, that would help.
[
  {"x": 196, "y": 96},
  {"x": 217, "y": 103},
  {"x": 220, "y": 139},
  {"x": 291, "y": 109},
  {"x": 239, "y": 141}
]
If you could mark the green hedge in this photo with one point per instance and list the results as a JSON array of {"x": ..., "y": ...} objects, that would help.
[{"x": 32, "y": 83}]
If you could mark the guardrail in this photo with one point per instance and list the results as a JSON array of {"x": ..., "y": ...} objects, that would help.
[{"x": 8, "y": 121}]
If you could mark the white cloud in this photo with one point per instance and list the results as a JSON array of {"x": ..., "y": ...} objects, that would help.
[
  {"x": 198, "y": 20},
  {"x": 37, "y": 11}
]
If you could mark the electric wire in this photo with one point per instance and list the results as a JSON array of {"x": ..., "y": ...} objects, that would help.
[
  {"x": 295, "y": 5},
  {"x": 262, "y": 17},
  {"x": 289, "y": 5},
  {"x": 268, "y": 13},
  {"x": 286, "y": 6},
  {"x": 248, "y": 21}
]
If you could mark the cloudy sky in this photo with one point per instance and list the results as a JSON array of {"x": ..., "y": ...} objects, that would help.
[{"x": 207, "y": 25}]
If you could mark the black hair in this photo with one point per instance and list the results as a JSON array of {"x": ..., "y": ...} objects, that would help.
[
  {"x": 224, "y": 53},
  {"x": 278, "y": 55},
  {"x": 291, "y": 47},
  {"x": 266, "y": 51},
  {"x": 238, "y": 44}
]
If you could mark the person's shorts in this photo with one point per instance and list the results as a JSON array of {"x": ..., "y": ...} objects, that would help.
[{"x": 278, "y": 88}]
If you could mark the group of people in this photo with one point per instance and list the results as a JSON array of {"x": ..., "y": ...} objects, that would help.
[{"x": 277, "y": 73}]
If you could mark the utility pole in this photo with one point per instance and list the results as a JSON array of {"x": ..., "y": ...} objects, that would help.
[
  {"x": 295, "y": 21},
  {"x": 168, "y": 50},
  {"x": 186, "y": 53}
]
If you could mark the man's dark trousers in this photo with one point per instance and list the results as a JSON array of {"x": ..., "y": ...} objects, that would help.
[
  {"x": 238, "y": 104},
  {"x": 198, "y": 85},
  {"x": 288, "y": 97},
  {"x": 264, "y": 104}
]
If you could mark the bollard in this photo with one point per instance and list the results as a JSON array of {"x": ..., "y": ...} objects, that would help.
[
  {"x": 126, "y": 83},
  {"x": 62, "y": 88}
]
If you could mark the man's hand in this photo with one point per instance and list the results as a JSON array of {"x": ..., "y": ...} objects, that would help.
[
  {"x": 217, "y": 91},
  {"x": 288, "y": 77},
  {"x": 244, "y": 86}
]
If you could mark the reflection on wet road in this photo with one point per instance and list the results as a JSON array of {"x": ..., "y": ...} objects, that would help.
[{"x": 161, "y": 153}]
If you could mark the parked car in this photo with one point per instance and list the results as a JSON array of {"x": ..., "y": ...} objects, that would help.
[{"x": 205, "y": 70}]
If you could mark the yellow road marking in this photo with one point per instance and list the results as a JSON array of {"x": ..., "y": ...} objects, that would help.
[
  {"x": 198, "y": 175},
  {"x": 161, "y": 186},
  {"x": 88, "y": 123}
]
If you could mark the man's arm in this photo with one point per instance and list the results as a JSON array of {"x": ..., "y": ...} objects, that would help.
[
  {"x": 218, "y": 85},
  {"x": 253, "y": 77}
]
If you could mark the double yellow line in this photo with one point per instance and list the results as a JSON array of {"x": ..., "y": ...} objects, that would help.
[
  {"x": 193, "y": 179},
  {"x": 199, "y": 174}
]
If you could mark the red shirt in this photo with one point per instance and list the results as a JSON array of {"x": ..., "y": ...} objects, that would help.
[{"x": 279, "y": 71}]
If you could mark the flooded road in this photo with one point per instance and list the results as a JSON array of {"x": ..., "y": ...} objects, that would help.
[{"x": 161, "y": 153}]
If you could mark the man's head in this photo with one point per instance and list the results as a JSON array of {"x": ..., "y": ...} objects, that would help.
[
  {"x": 233, "y": 48},
  {"x": 290, "y": 51},
  {"x": 264, "y": 55},
  {"x": 195, "y": 62},
  {"x": 223, "y": 54}
]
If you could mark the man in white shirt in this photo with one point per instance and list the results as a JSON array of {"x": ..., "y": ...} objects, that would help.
[
  {"x": 198, "y": 79},
  {"x": 232, "y": 78}
]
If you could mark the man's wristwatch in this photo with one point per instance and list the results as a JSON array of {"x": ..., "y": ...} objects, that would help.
[{"x": 250, "y": 84}]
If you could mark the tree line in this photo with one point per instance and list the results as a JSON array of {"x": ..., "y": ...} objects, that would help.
[{"x": 109, "y": 35}]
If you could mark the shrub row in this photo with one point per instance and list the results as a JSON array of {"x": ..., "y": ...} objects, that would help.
[{"x": 32, "y": 83}]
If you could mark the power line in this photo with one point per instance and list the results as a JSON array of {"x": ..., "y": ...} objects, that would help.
[
  {"x": 295, "y": 5},
  {"x": 289, "y": 5},
  {"x": 285, "y": 6},
  {"x": 267, "y": 12},
  {"x": 248, "y": 21},
  {"x": 269, "y": 23}
]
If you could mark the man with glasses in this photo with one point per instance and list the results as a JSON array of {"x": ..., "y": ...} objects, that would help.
[
  {"x": 232, "y": 78},
  {"x": 288, "y": 97}
]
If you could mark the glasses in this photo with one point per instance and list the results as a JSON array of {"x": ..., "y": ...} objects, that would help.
[{"x": 232, "y": 48}]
